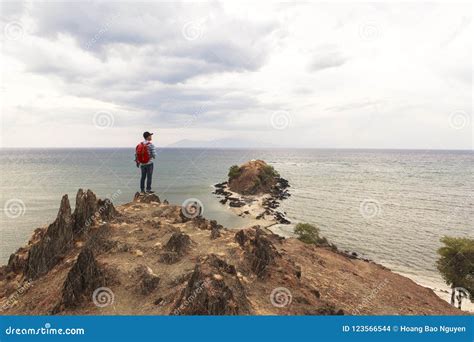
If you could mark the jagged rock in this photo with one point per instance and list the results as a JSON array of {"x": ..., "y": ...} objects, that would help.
[
  {"x": 215, "y": 230},
  {"x": 89, "y": 209},
  {"x": 106, "y": 210},
  {"x": 83, "y": 278},
  {"x": 46, "y": 253},
  {"x": 177, "y": 246},
  {"x": 178, "y": 243},
  {"x": 213, "y": 289},
  {"x": 201, "y": 223},
  {"x": 146, "y": 198},
  {"x": 244, "y": 236},
  {"x": 48, "y": 247},
  {"x": 84, "y": 213},
  {"x": 18, "y": 260},
  {"x": 260, "y": 250},
  {"x": 146, "y": 279},
  {"x": 264, "y": 253}
]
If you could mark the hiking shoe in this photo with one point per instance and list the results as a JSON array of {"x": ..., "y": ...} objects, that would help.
[{"x": 150, "y": 192}]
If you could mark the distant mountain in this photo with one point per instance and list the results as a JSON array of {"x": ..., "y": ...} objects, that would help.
[{"x": 221, "y": 143}]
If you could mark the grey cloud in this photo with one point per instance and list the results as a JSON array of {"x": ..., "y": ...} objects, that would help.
[
  {"x": 156, "y": 31},
  {"x": 327, "y": 57}
]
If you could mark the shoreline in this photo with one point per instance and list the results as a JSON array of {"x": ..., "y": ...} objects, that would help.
[
  {"x": 261, "y": 209},
  {"x": 253, "y": 207}
]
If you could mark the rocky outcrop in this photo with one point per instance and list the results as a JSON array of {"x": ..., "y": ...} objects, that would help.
[
  {"x": 147, "y": 281},
  {"x": 88, "y": 210},
  {"x": 252, "y": 178},
  {"x": 259, "y": 249},
  {"x": 58, "y": 238},
  {"x": 213, "y": 289},
  {"x": 141, "y": 197},
  {"x": 48, "y": 246},
  {"x": 82, "y": 280},
  {"x": 255, "y": 184},
  {"x": 215, "y": 230},
  {"x": 86, "y": 207},
  {"x": 177, "y": 246}
]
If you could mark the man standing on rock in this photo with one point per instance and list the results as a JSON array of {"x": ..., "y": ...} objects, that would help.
[{"x": 144, "y": 155}]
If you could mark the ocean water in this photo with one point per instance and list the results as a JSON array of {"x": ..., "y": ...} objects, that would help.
[{"x": 391, "y": 206}]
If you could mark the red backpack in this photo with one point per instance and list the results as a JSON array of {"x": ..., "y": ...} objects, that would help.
[{"x": 143, "y": 155}]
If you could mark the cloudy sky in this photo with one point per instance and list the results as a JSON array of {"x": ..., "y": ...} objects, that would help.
[{"x": 276, "y": 74}]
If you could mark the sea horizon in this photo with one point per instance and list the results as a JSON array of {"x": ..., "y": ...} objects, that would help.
[{"x": 243, "y": 148}]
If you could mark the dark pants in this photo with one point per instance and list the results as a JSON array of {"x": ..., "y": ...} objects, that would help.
[{"x": 147, "y": 173}]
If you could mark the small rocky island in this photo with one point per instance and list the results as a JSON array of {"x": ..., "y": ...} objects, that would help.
[
  {"x": 255, "y": 190},
  {"x": 149, "y": 257}
]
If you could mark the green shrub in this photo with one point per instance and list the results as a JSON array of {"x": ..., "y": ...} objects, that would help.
[
  {"x": 308, "y": 233},
  {"x": 456, "y": 265},
  {"x": 234, "y": 172},
  {"x": 267, "y": 175}
]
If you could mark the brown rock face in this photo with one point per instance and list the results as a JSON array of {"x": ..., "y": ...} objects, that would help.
[
  {"x": 146, "y": 279},
  {"x": 58, "y": 238},
  {"x": 86, "y": 207},
  {"x": 146, "y": 198},
  {"x": 83, "y": 278},
  {"x": 213, "y": 289},
  {"x": 175, "y": 248},
  {"x": 215, "y": 230},
  {"x": 47, "y": 251},
  {"x": 259, "y": 249},
  {"x": 18, "y": 260},
  {"x": 254, "y": 177}
]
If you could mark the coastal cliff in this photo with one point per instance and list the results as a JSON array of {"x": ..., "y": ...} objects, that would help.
[{"x": 149, "y": 257}]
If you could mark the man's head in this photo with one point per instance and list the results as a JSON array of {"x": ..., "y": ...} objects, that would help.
[{"x": 147, "y": 136}]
